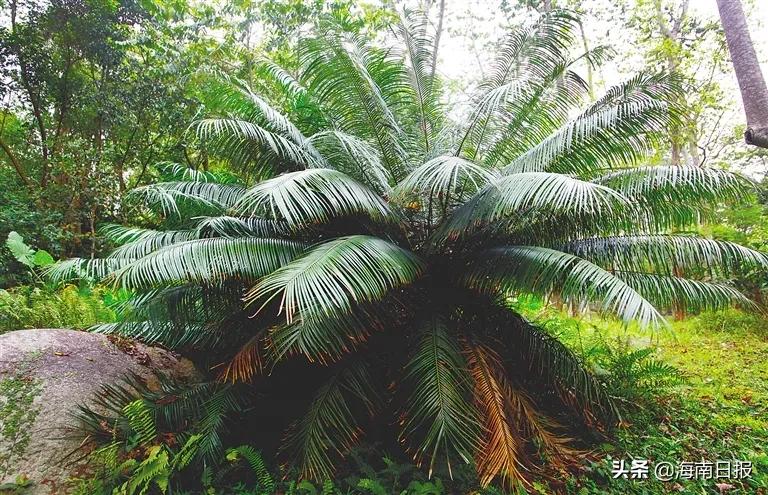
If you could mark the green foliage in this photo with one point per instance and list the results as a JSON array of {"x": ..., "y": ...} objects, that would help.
[
  {"x": 256, "y": 463},
  {"x": 23, "y": 253},
  {"x": 141, "y": 420},
  {"x": 357, "y": 272},
  {"x": 156, "y": 469},
  {"x": 716, "y": 413},
  {"x": 67, "y": 307}
]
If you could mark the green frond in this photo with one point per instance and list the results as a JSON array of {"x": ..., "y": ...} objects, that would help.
[
  {"x": 678, "y": 184},
  {"x": 329, "y": 428},
  {"x": 539, "y": 108},
  {"x": 168, "y": 195},
  {"x": 209, "y": 261},
  {"x": 670, "y": 292},
  {"x": 179, "y": 317},
  {"x": 334, "y": 276},
  {"x": 324, "y": 339},
  {"x": 79, "y": 268},
  {"x": 242, "y": 101},
  {"x": 535, "y": 191},
  {"x": 273, "y": 71},
  {"x": 613, "y": 132},
  {"x": 527, "y": 61},
  {"x": 439, "y": 423},
  {"x": 353, "y": 156},
  {"x": 419, "y": 53},
  {"x": 176, "y": 172},
  {"x": 359, "y": 86},
  {"x": 141, "y": 417},
  {"x": 443, "y": 177},
  {"x": 664, "y": 254},
  {"x": 311, "y": 196},
  {"x": 122, "y": 234},
  {"x": 152, "y": 241},
  {"x": 169, "y": 334},
  {"x": 228, "y": 226},
  {"x": 234, "y": 136},
  {"x": 256, "y": 463},
  {"x": 542, "y": 270},
  {"x": 532, "y": 52}
]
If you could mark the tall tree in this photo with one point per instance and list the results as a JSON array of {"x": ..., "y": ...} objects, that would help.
[{"x": 754, "y": 92}]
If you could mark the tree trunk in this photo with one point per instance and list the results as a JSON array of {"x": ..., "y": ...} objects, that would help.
[
  {"x": 754, "y": 93},
  {"x": 438, "y": 34}
]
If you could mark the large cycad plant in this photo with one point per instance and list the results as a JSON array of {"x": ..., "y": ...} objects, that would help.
[{"x": 375, "y": 240}]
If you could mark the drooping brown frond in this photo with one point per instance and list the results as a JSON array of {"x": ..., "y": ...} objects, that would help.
[
  {"x": 554, "y": 448},
  {"x": 247, "y": 362},
  {"x": 510, "y": 420},
  {"x": 502, "y": 450}
]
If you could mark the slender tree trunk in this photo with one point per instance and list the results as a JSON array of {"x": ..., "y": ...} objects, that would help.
[
  {"x": 590, "y": 78},
  {"x": 15, "y": 162},
  {"x": 754, "y": 92},
  {"x": 438, "y": 33}
]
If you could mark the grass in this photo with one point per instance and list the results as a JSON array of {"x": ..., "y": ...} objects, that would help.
[{"x": 718, "y": 411}]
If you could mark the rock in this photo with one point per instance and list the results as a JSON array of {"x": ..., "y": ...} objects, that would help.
[{"x": 44, "y": 375}]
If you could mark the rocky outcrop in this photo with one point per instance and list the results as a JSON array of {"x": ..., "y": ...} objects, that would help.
[{"x": 44, "y": 375}]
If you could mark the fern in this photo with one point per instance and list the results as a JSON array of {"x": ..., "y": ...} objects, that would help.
[
  {"x": 328, "y": 488},
  {"x": 372, "y": 486},
  {"x": 142, "y": 421},
  {"x": 155, "y": 469},
  {"x": 256, "y": 462}
]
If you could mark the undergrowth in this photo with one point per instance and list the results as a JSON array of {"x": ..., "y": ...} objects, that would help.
[{"x": 43, "y": 307}]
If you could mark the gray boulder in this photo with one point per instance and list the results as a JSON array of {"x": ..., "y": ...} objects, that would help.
[{"x": 44, "y": 375}]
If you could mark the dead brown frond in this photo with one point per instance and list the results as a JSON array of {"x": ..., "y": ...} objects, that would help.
[
  {"x": 502, "y": 450},
  {"x": 245, "y": 364}
]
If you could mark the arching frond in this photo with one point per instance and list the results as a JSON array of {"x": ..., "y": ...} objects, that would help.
[
  {"x": 324, "y": 339},
  {"x": 443, "y": 177},
  {"x": 664, "y": 254},
  {"x": 166, "y": 333},
  {"x": 176, "y": 172},
  {"x": 152, "y": 241},
  {"x": 209, "y": 260},
  {"x": 233, "y": 134},
  {"x": 311, "y": 196},
  {"x": 678, "y": 184},
  {"x": 329, "y": 428},
  {"x": 670, "y": 292},
  {"x": 77, "y": 268},
  {"x": 548, "y": 192},
  {"x": 541, "y": 270},
  {"x": 439, "y": 423},
  {"x": 121, "y": 234},
  {"x": 537, "y": 110},
  {"x": 359, "y": 86},
  {"x": 528, "y": 60},
  {"x": 333, "y": 276},
  {"x": 419, "y": 54},
  {"x": 228, "y": 226},
  {"x": 353, "y": 156},
  {"x": 613, "y": 132},
  {"x": 166, "y": 195},
  {"x": 277, "y": 73}
]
